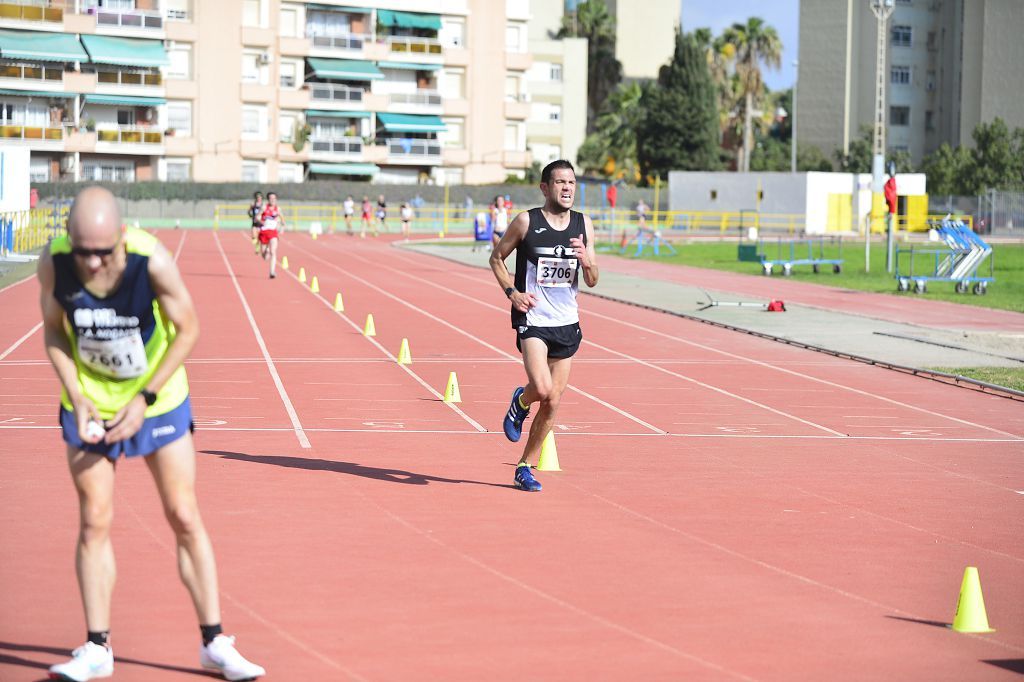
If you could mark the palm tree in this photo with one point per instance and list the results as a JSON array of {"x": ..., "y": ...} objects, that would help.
[
  {"x": 754, "y": 42},
  {"x": 592, "y": 21},
  {"x": 611, "y": 148}
]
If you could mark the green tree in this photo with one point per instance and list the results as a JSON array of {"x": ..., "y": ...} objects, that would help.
[
  {"x": 770, "y": 154},
  {"x": 858, "y": 158},
  {"x": 611, "y": 148},
  {"x": 947, "y": 170},
  {"x": 679, "y": 130},
  {"x": 810, "y": 158},
  {"x": 996, "y": 159},
  {"x": 754, "y": 42},
  {"x": 592, "y": 21}
]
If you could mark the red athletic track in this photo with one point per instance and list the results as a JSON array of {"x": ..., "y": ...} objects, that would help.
[
  {"x": 756, "y": 540},
  {"x": 909, "y": 309}
]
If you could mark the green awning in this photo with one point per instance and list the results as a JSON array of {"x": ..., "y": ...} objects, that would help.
[
  {"x": 389, "y": 17},
  {"x": 125, "y": 51},
  {"x": 125, "y": 100},
  {"x": 335, "y": 8},
  {"x": 411, "y": 123},
  {"x": 49, "y": 47},
  {"x": 37, "y": 93},
  {"x": 408, "y": 66},
  {"x": 319, "y": 113},
  {"x": 366, "y": 169},
  {"x": 344, "y": 69}
]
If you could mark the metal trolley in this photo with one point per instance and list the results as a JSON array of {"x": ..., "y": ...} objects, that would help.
[
  {"x": 959, "y": 262},
  {"x": 790, "y": 252}
]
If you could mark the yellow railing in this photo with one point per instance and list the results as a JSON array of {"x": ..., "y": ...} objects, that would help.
[
  {"x": 20, "y": 132},
  {"x": 26, "y": 231},
  {"x": 430, "y": 219},
  {"x": 33, "y": 12},
  {"x": 723, "y": 222},
  {"x": 130, "y": 136}
]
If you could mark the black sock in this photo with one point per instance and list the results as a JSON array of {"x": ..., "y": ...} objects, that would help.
[
  {"x": 209, "y": 632},
  {"x": 101, "y": 638}
]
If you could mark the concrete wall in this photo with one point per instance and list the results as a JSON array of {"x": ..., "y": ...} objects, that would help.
[
  {"x": 14, "y": 183},
  {"x": 692, "y": 191}
]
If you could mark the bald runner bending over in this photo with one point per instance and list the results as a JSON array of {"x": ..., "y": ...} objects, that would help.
[{"x": 118, "y": 325}]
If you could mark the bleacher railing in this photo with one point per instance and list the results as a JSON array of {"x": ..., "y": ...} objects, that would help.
[{"x": 27, "y": 231}]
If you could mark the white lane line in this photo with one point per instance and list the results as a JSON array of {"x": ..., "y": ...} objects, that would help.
[
  {"x": 775, "y": 367},
  {"x": 22, "y": 340},
  {"x": 20, "y": 281},
  {"x": 477, "y": 339},
  {"x": 181, "y": 245},
  {"x": 289, "y": 408}
]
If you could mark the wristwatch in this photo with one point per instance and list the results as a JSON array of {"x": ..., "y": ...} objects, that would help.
[
  {"x": 509, "y": 291},
  {"x": 148, "y": 396}
]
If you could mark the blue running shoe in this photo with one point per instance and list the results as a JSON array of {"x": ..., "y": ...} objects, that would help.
[
  {"x": 514, "y": 417},
  {"x": 525, "y": 481}
]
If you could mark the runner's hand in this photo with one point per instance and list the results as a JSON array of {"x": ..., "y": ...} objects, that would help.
[
  {"x": 128, "y": 420},
  {"x": 85, "y": 411},
  {"x": 580, "y": 250},
  {"x": 523, "y": 301}
]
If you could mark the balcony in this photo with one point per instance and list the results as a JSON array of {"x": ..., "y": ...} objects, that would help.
[
  {"x": 107, "y": 17},
  {"x": 336, "y": 146},
  {"x": 35, "y": 73},
  {"x": 130, "y": 135},
  {"x": 346, "y": 41},
  {"x": 16, "y": 132},
  {"x": 413, "y": 45},
  {"x": 150, "y": 79},
  {"x": 323, "y": 93},
  {"x": 31, "y": 12},
  {"x": 517, "y": 110},
  {"x": 402, "y": 148},
  {"x": 420, "y": 98}
]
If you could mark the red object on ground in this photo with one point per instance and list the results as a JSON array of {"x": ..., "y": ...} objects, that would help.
[
  {"x": 776, "y": 307},
  {"x": 890, "y": 194}
]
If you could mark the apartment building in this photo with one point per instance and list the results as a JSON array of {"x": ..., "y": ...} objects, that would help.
[
  {"x": 556, "y": 88},
  {"x": 950, "y": 65},
  {"x": 401, "y": 91},
  {"x": 645, "y": 35}
]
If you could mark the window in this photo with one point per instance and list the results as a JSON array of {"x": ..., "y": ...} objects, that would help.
[
  {"x": 39, "y": 169},
  {"x": 452, "y": 83},
  {"x": 252, "y": 171},
  {"x": 289, "y": 22},
  {"x": 555, "y": 113},
  {"x": 556, "y": 73},
  {"x": 901, "y": 36},
  {"x": 288, "y": 74},
  {"x": 512, "y": 88},
  {"x": 180, "y": 56},
  {"x": 452, "y": 135},
  {"x": 289, "y": 172},
  {"x": 513, "y": 37},
  {"x": 899, "y": 75},
  {"x": 286, "y": 126},
  {"x": 899, "y": 116},
  {"x": 453, "y": 32},
  {"x": 179, "y": 118},
  {"x": 252, "y": 13},
  {"x": 179, "y": 170},
  {"x": 108, "y": 171},
  {"x": 328, "y": 23},
  {"x": 176, "y": 10},
  {"x": 929, "y": 121},
  {"x": 254, "y": 122},
  {"x": 125, "y": 117},
  {"x": 512, "y": 137},
  {"x": 252, "y": 69},
  {"x": 24, "y": 114}
]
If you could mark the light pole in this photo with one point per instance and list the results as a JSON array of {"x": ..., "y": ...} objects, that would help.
[
  {"x": 792, "y": 122},
  {"x": 882, "y": 9}
]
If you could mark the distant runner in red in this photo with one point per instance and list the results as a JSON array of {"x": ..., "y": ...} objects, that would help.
[{"x": 271, "y": 221}]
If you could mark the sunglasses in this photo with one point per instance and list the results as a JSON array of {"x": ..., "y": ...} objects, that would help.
[{"x": 85, "y": 253}]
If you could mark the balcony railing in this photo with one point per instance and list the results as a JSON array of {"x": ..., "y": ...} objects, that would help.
[
  {"x": 31, "y": 11},
  {"x": 13, "y": 131},
  {"x": 408, "y": 146},
  {"x": 129, "y": 18},
  {"x": 430, "y": 98},
  {"x": 31, "y": 72},
  {"x": 130, "y": 78},
  {"x": 413, "y": 45},
  {"x": 337, "y": 145},
  {"x": 333, "y": 92},
  {"x": 344, "y": 41},
  {"x": 129, "y": 135}
]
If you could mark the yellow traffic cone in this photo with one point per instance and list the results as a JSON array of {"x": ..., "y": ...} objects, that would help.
[
  {"x": 315, "y": 286},
  {"x": 451, "y": 391},
  {"x": 548, "y": 454},
  {"x": 369, "y": 329},
  {"x": 284, "y": 262},
  {"x": 339, "y": 305},
  {"x": 314, "y": 236},
  {"x": 404, "y": 357},
  {"x": 970, "y": 607},
  {"x": 302, "y": 275}
]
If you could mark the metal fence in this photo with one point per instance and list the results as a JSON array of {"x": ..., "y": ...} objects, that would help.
[
  {"x": 27, "y": 231},
  {"x": 997, "y": 213}
]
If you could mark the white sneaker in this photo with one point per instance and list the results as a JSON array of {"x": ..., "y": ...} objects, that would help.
[
  {"x": 88, "y": 662},
  {"x": 222, "y": 656}
]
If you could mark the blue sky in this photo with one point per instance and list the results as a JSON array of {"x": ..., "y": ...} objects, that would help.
[{"x": 784, "y": 15}]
